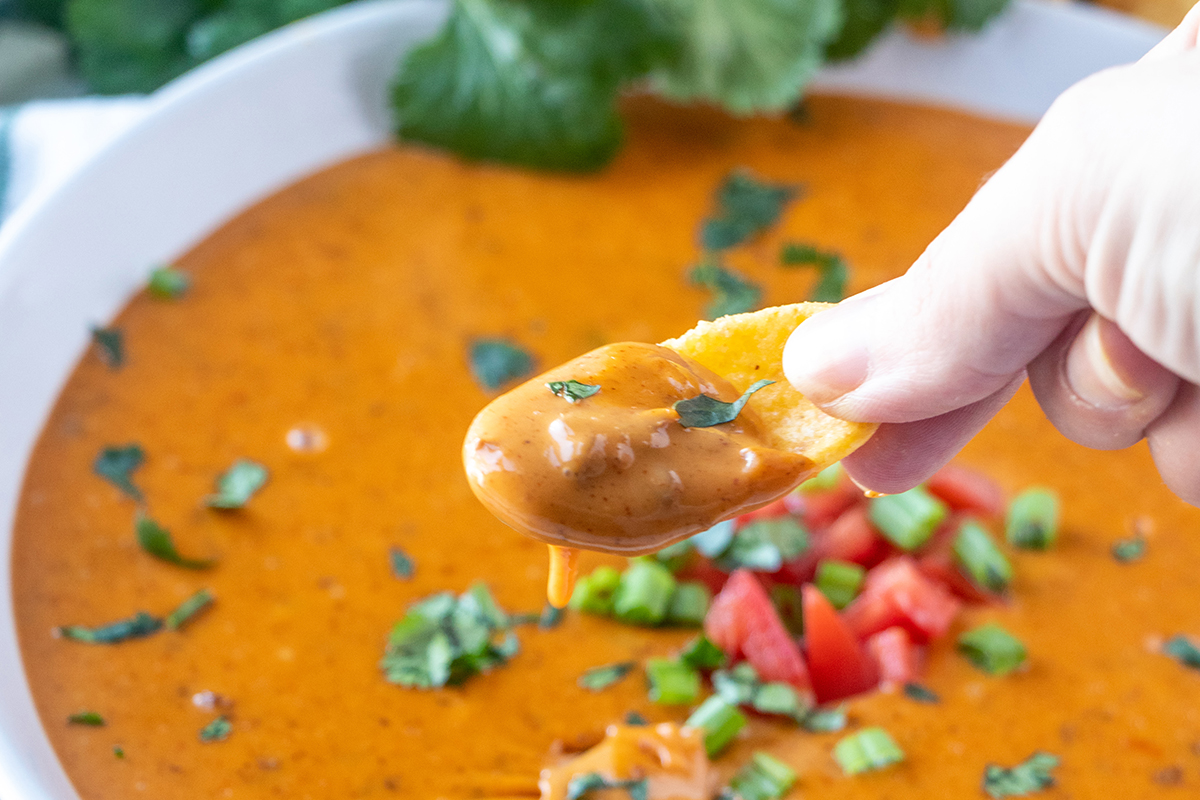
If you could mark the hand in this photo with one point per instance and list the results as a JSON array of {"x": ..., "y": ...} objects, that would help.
[{"x": 1077, "y": 264}]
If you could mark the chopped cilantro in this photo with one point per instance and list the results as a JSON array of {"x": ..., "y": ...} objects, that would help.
[
  {"x": 189, "y": 609},
  {"x": 89, "y": 718},
  {"x": 831, "y": 269},
  {"x": 992, "y": 649},
  {"x": 156, "y": 540},
  {"x": 216, "y": 731},
  {"x": 444, "y": 640},
  {"x": 636, "y": 719},
  {"x": 598, "y": 678},
  {"x": 402, "y": 563},
  {"x": 117, "y": 465},
  {"x": 138, "y": 626},
  {"x": 118, "y": 751},
  {"x": 168, "y": 283},
  {"x": 110, "y": 343},
  {"x": 703, "y": 411},
  {"x": 741, "y": 686},
  {"x": 765, "y": 544},
  {"x": 864, "y": 21},
  {"x": 551, "y": 617},
  {"x": 1131, "y": 549},
  {"x": 1029, "y": 776},
  {"x": 732, "y": 294},
  {"x": 921, "y": 694},
  {"x": 572, "y": 391},
  {"x": 495, "y": 362},
  {"x": 236, "y": 485},
  {"x": 582, "y": 786},
  {"x": 1183, "y": 650},
  {"x": 746, "y": 207},
  {"x": 702, "y": 654}
]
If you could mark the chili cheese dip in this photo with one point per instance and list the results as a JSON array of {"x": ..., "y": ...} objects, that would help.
[{"x": 247, "y": 563}]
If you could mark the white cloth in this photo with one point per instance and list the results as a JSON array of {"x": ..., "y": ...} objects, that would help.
[{"x": 43, "y": 142}]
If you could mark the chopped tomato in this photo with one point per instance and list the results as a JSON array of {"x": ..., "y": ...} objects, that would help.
[
  {"x": 897, "y": 593},
  {"x": 941, "y": 567},
  {"x": 837, "y": 664},
  {"x": 801, "y": 569},
  {"x": 896, "y": 656},
  {"x": 742, "y": 621},
  {"x": 852, "y": 537},
  {"x": 773, "y": 510},
  {"x": 966, "y": 490},
  {"x": 822, "y": 508}
]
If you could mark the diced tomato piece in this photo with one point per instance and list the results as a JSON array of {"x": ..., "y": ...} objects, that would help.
[
  {"x": 852, "y": 537},
  {"x": 742, "y": 621},
  {"x": 773, "y": 510},
  {"x": 837, "y": 664},
  {"x": 822, "y": 508},
  {"x": 701, "y": 568},
  {"x": 966, "y": 490},
  {"x": 896, "y": 593},
  {"x": 801, "y": 569},
  {"x": 941, "y": 567},
  {"x": 898, "y": 659}
]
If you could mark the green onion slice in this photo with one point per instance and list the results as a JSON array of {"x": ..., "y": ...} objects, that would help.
[
  {"x": 189, "y": 609},
  {"x": 992, "y": 649},
  {"x": 689, "y": 604},
  {"x": 840, "y": 581},
  {"x": 867, "y": 750},
  {"x": 702, "y": 654},
  {"x": 907, "y": 520},
  {"x": 644, "y": 593},
  {"x": 764, "y": 778},
  {"x": 1033, "y": 519},
  {"x": 720, "y": 722},
  {"x": 672, "y": 683},
  {"x": 979, "y": 556},
  {"x": 593, "y": 593}
]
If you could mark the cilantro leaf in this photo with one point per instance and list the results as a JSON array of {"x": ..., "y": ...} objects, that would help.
[
  {"x": 138, "y": 626},
  {"x": 402, "y": 563},
  {"x": 572, "y": 391},
  {"x": 746, "y": 207},
  {"x": 528, "y": 82},
  {"x": 189, "y": 609},
  {"x": 732, "y": 294},
  {"x": 582, "y": 786},
  {"x": 864, "y": 21},
  {"x": 703, "y": 411},
  {"x": 237, "y": 485},
  {"x": 110, "y": 343},
  {"x": 551, "y": 617},
  {"x": 1182, "y": 649},
  {"x": 920, "y": 693},
  {"x": 156, "y": 540},
  {"x": 216, "y": 731},
  {"x": 131, "y": 45},
  {"x": 599, "y": 678},
  {"x": 1028, "y": 777},
  {"x": 168, "y": 283},
  {"x": 954, "y": 15},
  {"x": 749, "y": 56},
  {"x": 495, "y": 362},
  {"x": 1129, "y": 550},
  {"x": 765, "y": 544},
  {"x": 832, "y": 270},
  {"x": 89, "y": 718},
  {"x": 117, "y": 465}
]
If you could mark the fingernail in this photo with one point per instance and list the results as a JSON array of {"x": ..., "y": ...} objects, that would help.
[
  {"x": 1091, "y": 373},
  {"x": 825, "y": 358}
]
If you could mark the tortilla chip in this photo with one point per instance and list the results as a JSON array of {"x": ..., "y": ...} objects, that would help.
[{"x": 744, "y": 348}]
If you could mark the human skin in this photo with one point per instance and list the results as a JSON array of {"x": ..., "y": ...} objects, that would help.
[{"x": 1077, "y": 264}]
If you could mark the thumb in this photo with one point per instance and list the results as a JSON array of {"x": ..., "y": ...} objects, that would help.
[{"x": 985, "y": 298}]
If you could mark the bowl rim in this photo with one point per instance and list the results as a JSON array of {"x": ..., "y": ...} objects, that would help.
[{"x": 311, "y": 94}]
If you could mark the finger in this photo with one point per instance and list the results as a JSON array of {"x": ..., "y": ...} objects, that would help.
[
  {"x": 1097, "y": 387},
  {"x": 1175, "y": 444},
  {"x": 901, "y": 455},
  {"x": 1185, "y": 37}
]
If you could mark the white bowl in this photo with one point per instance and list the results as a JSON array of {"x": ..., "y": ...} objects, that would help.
[{"x": 312, "y": 94}]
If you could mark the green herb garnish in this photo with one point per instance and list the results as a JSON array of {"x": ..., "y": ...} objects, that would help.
[
  {"x": 89, "y": 718},
  {"x": 593, "y": 593},
  {"x": 700, "y": 653},
  {"x": 764, "y": 778},
  {"x": 672, "y": 682},
  {"x": 765, "y": 544},
  {"x": 118, "y": 751},
  {"x": 216, "y": 731},
  {"x": 581, "y": 786},
  {"x": 703, "y": 411},
  {"x": 992, "y": 649},
  {"x": 1030, "y": 776},
  {"x": 401, "y": 563},
  {"x": 839, "y": 581},
  {"x": 138, "y": 626},
  {"x": 825, "y": 720},
  {"x": 110, "y": 343},
  {"x": 550, "y": 617},
  {"x": 731, "y": 293},
  {"x": 572, "y": 391},
  {"x": 599, "y": 678},
  {"x": 495, "y": 362},
  {"x": 635, "y": 719},
  {"x": 868, "y": 750},
  {"x": 189, "y": 609},
  {"x": 1129, "y": 550},
  {"x": 979, "y": 556},
  {"x": 237, "y": 485},
  {"x": 720, "y": 722},
  {"x": 1180, "y": 648},
  {"x": 168, "y": 283},
  {"x": 922, "y": 694},
  {"x": 831, "y": 269},
  {"x": 688, "y": 605},
  {"x": 1033, "y": 519},
  {"x": 156, "y": 540},
  {"x": 907, "y": 520},
  {"x": 443, "y": 640},
  {"x": 746, "y": 207},
  {"x": 644, "y": 593},
  {"x": 741, "y": 686},
  {"x": 117, "y": 465}
]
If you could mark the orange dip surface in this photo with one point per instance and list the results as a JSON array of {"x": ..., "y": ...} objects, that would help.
[{"x": 344, "y": 308}]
